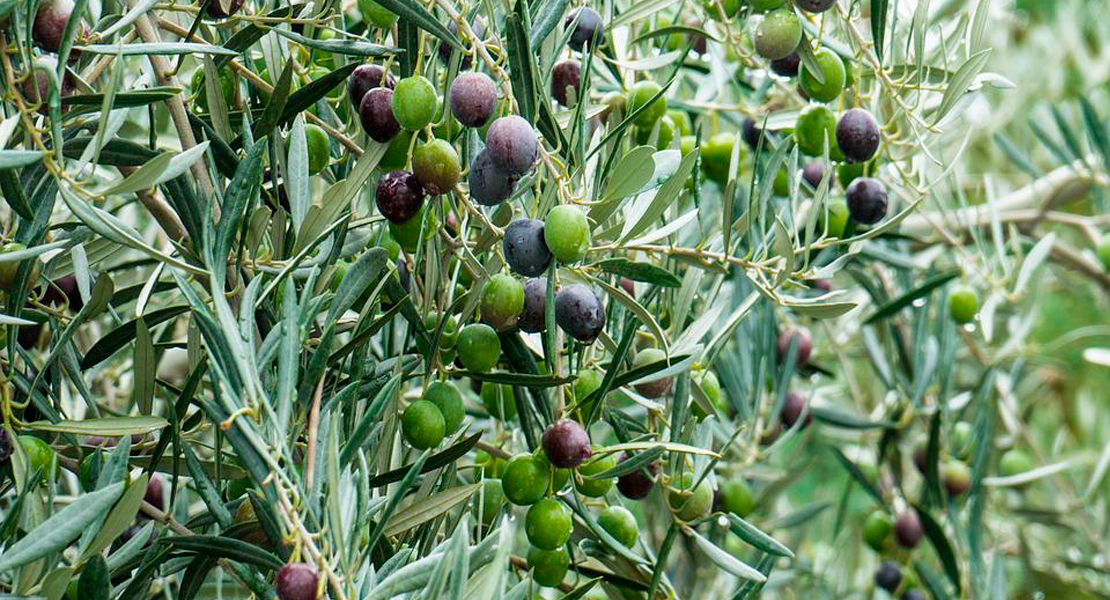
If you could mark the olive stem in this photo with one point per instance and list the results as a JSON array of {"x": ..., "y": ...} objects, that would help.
[
  {"x": 165, "y": 215},
  {"x": 176, "y": 106},
  {"x": 313, "y": 434}
]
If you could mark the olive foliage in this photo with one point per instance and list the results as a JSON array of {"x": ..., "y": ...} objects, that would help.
[{"x": 743, "y": 298}]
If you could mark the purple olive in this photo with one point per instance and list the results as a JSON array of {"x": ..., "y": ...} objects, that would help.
[
  {"x": 813, "y": 173},
  {"x": 908, "y": 530},
  {"x": 787, "y": 67},
  {"x": 533, "y": 319},
  {"x": 365, "y": 78},
  {"x": 579, "y": 312},
  {"x": 588, "y": 28},
  {"x": 376, "y": 113},
  {"x": 525, "y": 249},
  {"x": 566, "y": 444},
  {"x": 867, "y": 200},
  {"x": 636, "y": 485},
  {"x": 298, "y": 581},
  {"x": 50, "y": 23},
  {"x": 857, "y": 136},
  {"x": 793, "y": 406},
  {"x": 473, "y": 97},
  {"x": 489, "y": 185},
  {"x": 566, "y": 79},
  {"x": 804, "y": 345},
  {"x": 512, "y": 144},
  {"x": 217, "y": 11},
  {"x": 399, "y": 196}
]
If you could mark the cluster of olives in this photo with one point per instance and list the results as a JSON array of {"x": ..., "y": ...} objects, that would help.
[
  {"x": 882, "y": 533},
  {"x": 853, "y": 139}
]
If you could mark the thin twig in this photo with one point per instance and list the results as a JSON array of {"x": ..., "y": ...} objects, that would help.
[{"x": 176, "y": 106}]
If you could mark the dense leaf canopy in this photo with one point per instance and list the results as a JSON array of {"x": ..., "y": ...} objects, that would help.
[{"x": 614, "y": 299}]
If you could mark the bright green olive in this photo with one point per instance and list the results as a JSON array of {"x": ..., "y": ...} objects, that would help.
[
  {"x": 376, "y": 15},
  {"x": 816, "y": 124},
  {"x": 963, "y": 304},
  {"x": 1014, "y": 462},
  {"x": 687, "y": 501},
  {"x": 778, "y": 34},
  {"x": 662, "y": 133},
  {"x": 596, "y": 488},
  {"x": 502, "y": 301},
  {"x": 716, "y": 156},
  {"x": 832, "y": 72},
  {"x": 548, "y": 524},
  {"x": 490, "y": 500},
  {"x": 549, "y": 567},
  {"x": 449, "y": 401},
  {"x": 878, "y": 530},
  {"x": 414, "y": 102},
  {"x": 567, "y": 233},
  {"x": 479, "y": 347},
  {"x": 619, "y": 522},
  {"x": 526, "y": 480},
  {"x": 40, "y": 456},
  {"x": 640, "y": 95},
  {"x": 836, "y": 218},
  {"x": 737, "y": 498},
  {"x": 423, "y": 425}
]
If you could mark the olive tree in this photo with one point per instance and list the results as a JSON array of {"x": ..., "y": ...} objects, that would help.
[{"x": 612, "y": 299}]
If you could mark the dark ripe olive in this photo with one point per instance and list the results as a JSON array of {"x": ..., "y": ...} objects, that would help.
[
  {"x": 867, "y": 200},
  {"x": 473, "y": 97},
  {"x": 365, "y": 78},
  {"x": 566, "y": 444},
  {"x": 50, "y": 23},
  {"x": 297, "y": 581},
  {"x": 752, "y": 134},
  {"x": 217, "y": 9},
  {"x": 376, "y": 114},
  {"x": 155, "y": 494},
  {"x": 813, "y": 173},
  {"x": 815, "y": 6},
  {"x": 533, "y": 319},
  {"x": 525, "y": 249},
  {"x": 636, "y": 485},
  {"x": 399, "y": 196},
  {"x": 787, "y": 67},
  {"x": 36, "y": 88},
  {"x": 804, "y": 345},
  {"x": 512, "y": 144},
  {"x": 792, "y": 408},
  {"x": 888, "y": 576},
  {"x": 628, "y": 286},
  {"x": 588, "y": 28},
  {"x": 579, "y": 312},
  {"x": 478, "y": 26},
  {"x": 566, "y": 79},
  {"x": 908, "y": 531},
  {"x": 489, "y": 185},
  {"x": 857, "y": 136}
]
